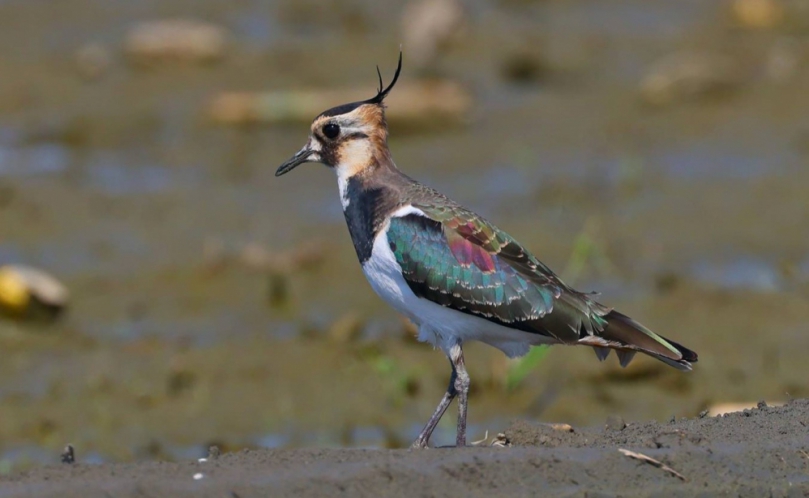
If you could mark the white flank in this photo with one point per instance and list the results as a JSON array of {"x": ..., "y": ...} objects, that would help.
[{"x": 438, "y": 325}]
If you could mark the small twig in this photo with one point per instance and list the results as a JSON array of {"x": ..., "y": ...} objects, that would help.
[
  {"x": 652, "y": 461},
  {"x": 482, "y": 441}
]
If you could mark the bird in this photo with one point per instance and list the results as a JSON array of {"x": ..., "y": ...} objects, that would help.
[{"x": 454, "y": 274}]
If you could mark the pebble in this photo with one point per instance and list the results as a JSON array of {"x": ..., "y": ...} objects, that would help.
[
  {"x": 615, "y": 423},
  {"x": 169, "y": 40},
  {"x": 687, "y": 76},
  {"x": 561, "y": 427},
  {"x": 68, "y": 455}
]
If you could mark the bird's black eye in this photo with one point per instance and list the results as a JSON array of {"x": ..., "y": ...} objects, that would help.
[{"x": 331, "y": 130}]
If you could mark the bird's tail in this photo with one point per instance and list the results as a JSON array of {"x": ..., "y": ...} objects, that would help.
[{"x": 627, "y": 336}]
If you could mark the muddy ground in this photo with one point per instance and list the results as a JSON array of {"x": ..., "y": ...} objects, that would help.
[
  {"x": 759, "y": 452},
  {"x": 690, "y": 215}
]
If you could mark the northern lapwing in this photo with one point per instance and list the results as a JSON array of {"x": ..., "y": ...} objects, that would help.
[{"x": 454, "y": 274}]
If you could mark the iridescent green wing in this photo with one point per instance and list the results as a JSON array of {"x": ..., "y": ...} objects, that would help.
[
  {"x": 457, "y": 259},
  {"x": 470, "y": 275}
]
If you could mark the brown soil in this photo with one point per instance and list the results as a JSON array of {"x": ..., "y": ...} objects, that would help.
[{"x": 758, "y": 452}]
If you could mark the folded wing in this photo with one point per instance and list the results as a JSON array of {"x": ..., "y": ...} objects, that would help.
[{"x": 454, "y": 258}]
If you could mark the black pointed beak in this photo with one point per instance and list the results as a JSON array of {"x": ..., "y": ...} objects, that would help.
[{"x": 304, "y": 155}]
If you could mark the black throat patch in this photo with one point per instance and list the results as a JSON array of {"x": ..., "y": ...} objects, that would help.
[{"x": 365, "y": 214}]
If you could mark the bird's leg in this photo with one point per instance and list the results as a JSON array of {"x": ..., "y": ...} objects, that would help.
[
  {"x": 462, "y": 388},
  {"x": 424, "y": 435}
]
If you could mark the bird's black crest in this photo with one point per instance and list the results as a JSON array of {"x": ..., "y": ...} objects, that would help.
[
  {"x": 381, "y": 94},
  {"x": 377, "y": 99}
]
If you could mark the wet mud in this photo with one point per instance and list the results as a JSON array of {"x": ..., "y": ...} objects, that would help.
[{"x": 758, "y": 452}]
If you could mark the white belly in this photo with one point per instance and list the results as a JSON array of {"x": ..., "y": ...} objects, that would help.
[{"x": 437, "y": 324}]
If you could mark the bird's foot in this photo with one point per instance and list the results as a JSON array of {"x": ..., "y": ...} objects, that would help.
[{"x": 419, "y": 444}]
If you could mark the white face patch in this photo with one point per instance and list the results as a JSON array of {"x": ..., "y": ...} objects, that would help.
[
  {"x": 354, "y": 154},
  {"x": 354, "y": 150},
  {"x": 353, "y": 128},
  {"x": 313, "y": 146}
]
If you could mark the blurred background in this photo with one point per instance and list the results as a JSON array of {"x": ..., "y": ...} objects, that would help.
[{"x": 161, "y": 291}]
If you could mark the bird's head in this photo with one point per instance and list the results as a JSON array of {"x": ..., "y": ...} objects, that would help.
[{"x": 350, "y": 137}]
